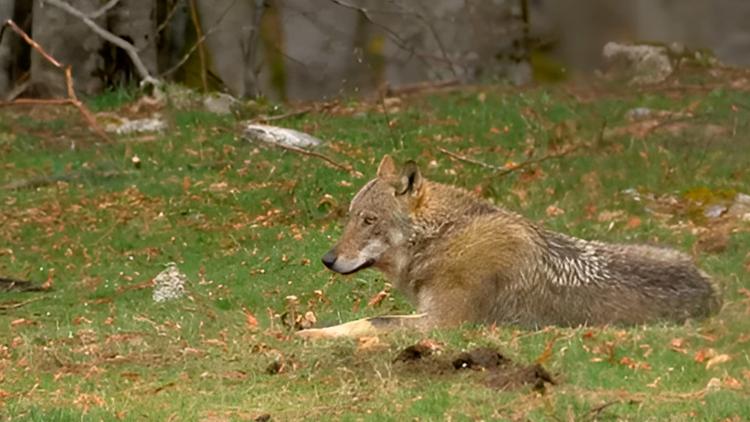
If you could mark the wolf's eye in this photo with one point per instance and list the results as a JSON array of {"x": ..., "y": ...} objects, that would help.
[{"x": 370, "y": 220}]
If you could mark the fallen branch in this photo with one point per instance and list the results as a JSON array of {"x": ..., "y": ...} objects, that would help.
[
  {"x": 344, "y": 167},
  {"x": 293, "y": 113},
  {"x": 72, "y": 98},
  {"x": 428, "y": 86},
  {"x": 146, "y": 78},
  {"x": 469, "y": 160},
  {"x": 16, "y": 305},
  {"x": 595, "y": 411},
  {"x": 502, "y": 171},
  {"x": 8, "y": 284},
  {"x": 529, "y": 162}
]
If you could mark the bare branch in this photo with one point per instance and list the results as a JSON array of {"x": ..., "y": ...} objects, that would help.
[
  {"x": 129, "y": 48},
  {"x": 72, "y": 98},
  {"x": 502, "y": 171},
  {"x": 199, "y": 41},
  {"x": 294, "y": 113},
  {"x": 104, "y": 9},
  {"x": 469, "y": 160},
  {"x": 168, "y": 18}
]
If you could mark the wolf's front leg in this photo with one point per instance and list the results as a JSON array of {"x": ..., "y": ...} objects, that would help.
[{"x": 368, "y": 326}]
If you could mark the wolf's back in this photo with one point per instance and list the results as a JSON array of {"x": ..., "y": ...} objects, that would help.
[{"x": 582, "y": 282}]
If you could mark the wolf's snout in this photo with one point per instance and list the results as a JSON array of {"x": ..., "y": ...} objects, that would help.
[{"x": 329, "y": 259}]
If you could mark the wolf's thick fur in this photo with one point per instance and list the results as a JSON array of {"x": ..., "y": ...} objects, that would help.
[{"x": 461, "y": 259}]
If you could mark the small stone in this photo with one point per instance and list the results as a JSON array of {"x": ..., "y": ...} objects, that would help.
[
  {"x": 169, "y": 284},
  {"x": 219, "y": 103}
]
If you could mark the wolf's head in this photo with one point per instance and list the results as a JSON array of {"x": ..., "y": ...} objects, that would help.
[{"x": 379, "y": 221}]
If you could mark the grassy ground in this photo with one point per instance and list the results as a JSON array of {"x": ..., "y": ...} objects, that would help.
[{"x": 248, "y": 224}]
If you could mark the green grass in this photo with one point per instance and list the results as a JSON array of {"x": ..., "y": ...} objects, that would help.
[{"x": 248, "y": 224}]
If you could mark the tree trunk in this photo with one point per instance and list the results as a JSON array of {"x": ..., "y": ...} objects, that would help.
[
  {"x": 71, "y": 42},
  {"x": 134, "y": 20},
  {"x": 6, "y": 49}
]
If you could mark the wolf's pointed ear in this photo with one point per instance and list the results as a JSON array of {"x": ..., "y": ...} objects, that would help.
[
  {"x": 387, "y": 168},
  {"x": 410, "y": 180}
]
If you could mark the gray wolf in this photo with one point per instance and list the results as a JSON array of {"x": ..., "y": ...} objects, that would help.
[{"x": 459, "y": 259}]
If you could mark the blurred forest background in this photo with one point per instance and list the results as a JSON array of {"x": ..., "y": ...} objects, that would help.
[{"x": 314, "y": 49}]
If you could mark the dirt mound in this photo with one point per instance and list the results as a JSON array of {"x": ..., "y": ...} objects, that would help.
[{"x": 491, "y": 367}]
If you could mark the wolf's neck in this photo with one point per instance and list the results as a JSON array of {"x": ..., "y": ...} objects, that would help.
[{"x": 442, "y": 207}]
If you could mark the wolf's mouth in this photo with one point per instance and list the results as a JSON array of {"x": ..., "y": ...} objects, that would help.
[{"x": 366, "y": 264}]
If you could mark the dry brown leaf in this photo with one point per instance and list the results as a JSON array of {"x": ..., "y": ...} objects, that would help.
[
  {"x": 81, "y": 320},
  {"x": 732, "y": 383},
  {"x": 633, "y": 364},
  {"x": 678, "y": 345},
  {"x": 607, "y": 216},
  {"x": 378, "y": 298},
  {"x": 430, "y": 344},
  {"x": 369, "y": 343},
  {"x": 21, "y": 321},
  {"x": 234, "y": 375},
  {"x": 633, "y": 223},
  {"x": 549, "y": 348},
  {"x": 87, "y": 401},
  {"x": 703, "y": 355},
  {"x": 654, "y": 383},
  {"x": 250, "y": 321},
  {"x": 307, "y": 320},
  {"x": 717, "y": 360},
  {"x": 215, "y": 342},
  {"x": 554, "y": 211}
]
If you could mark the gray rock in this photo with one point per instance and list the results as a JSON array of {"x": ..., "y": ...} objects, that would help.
[
  {"x": 640, "y": 64},
  {"x": 280, "y": 136},
  {"x": 219, "y": 103},
  {"x": 169, "y": 284}
]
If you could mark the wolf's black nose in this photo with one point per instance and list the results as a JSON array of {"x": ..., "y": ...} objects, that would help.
[{"x": 329, "y": 259}]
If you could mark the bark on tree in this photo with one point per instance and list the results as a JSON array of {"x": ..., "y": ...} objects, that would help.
[
  {"x": 71, "y": 42},
  {"x": 6, "y": 53}
]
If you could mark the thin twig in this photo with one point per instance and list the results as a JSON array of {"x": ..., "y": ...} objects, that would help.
[
  {"x": 129, "y": 48},
  {"x": 344, "y": 167},
  {"x": 8, "y": 284},
  {"x": 8, "y": 306},
  {"x": 201, "y": 45},
  {"x": 427, "y": 86},
  {"x": 469, "y": 160},
  {"x": 527, "y": 163},
  {"x": 293, "y": 113},
  {"x": 195, "y": 46},
  {"x": 393, "y": 35},
  {"x": 502, "y": 171},
  {"x": 72, "y": 98},
  {"x": 168, "y": 18},
  {"x": 104, "y": 9},
  {"x": 595, "y": 411}
]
